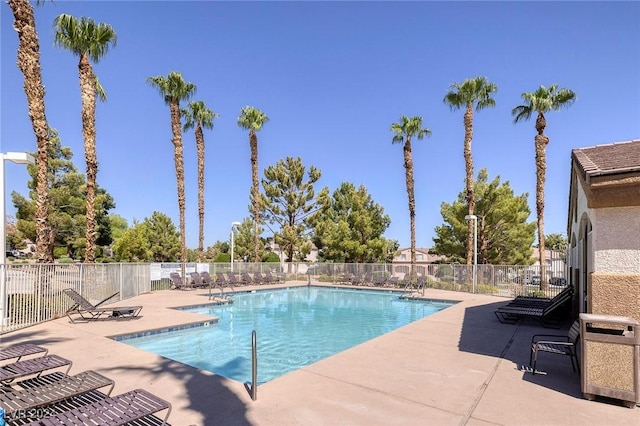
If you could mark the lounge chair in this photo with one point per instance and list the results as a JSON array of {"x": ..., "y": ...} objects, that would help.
[
  {"x": 18, "y": 351},
  {"x": 559, "y": 345},
  {"x": 87, "y": 311},
  {"x": 246, "y": 279},
  {"x": 548, "y": 315},
  {"x": 345, "y": 278},
  {"x": 196, "y": 280},
  {"x": 206, "y": 279},
  {"x": 30, "y": 398},
  {"x": 177, "y": 281},
  {"x": 113, "y": 411},
  {"x": 357, "y": 279},
  {"x": 393, "y": 281},
  {"x": 258, "y": 278},
  {"x": 232, "y": 279},
  {"x": 379, "y": 280},
  {"x": 32, "y": 366},
  {"x": 539, "y": 302},
  {"x": 368, "y": 278},
  {"x": 270, "y": 278},
  {"x": 221, "y": 279}
]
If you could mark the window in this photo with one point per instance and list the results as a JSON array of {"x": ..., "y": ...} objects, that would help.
[{"x": 419, "y": 257}]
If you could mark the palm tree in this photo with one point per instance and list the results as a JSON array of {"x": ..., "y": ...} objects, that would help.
[
  {"x": 90, "y": 41},
  {"x": 174, "y": 89},
  {"x": 473, "y": 91},
  {"x": 200, "y": 117},
  {"x": 541, "y": 101},
  {"x": 29, "y": 63},
  {"x": 403, "y": 132},
  {"x": 252, "y": 119}
]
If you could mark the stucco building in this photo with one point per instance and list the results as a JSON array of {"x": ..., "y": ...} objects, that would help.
[{"x": 604, "y": 228}]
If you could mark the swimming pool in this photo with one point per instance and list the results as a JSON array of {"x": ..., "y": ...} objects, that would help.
[{"x": 294, "y": 327}]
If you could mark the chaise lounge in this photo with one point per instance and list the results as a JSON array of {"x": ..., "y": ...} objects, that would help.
[
  {"x": 113, "y": 411},
  {"x": 30, "y": 398},
  {"x": 88, "y": 311},
  {"x": 18, "y": 351},
  {"x": 549, "y": 314},
  {"x": 32, "y": 366}
]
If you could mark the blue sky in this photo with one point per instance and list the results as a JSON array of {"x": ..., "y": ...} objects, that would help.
[{"x": 333, "y": 77}]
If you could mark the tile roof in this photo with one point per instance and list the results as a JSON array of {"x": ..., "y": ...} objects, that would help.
[{"x": 609, "y": 159}]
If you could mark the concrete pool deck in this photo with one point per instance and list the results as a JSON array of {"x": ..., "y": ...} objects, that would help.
[{"x": 459, "y": 366}]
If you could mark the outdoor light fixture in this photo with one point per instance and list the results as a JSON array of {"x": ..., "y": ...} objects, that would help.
[
  {"x": 18, "y": 158},
  {"x": 475, "y": 248},
  {"x": 233, "y": 225}
]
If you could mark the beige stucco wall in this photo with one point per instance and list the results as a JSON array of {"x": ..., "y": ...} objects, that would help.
[
  {"x": 615, "y": 294},
  {"x": 616, "y": 239}
]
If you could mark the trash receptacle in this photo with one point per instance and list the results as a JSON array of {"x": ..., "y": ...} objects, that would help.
[{"x": 610, "y": 357}]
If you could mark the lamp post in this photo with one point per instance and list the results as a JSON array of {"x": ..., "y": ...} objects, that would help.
[
  {"x": 233, "y": 225},
  {"x": 18, "y": 158},
  {"x": 475, "y": 248}
]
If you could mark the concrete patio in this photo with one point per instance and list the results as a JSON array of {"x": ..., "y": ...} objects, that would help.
[{"x": 459, "y": 366}]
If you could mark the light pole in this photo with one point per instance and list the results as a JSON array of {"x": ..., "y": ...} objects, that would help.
[
  {"x": 233, "y": 225},
  {"x": 18, "y": 158},
  {"x": 474, "y": 218}
]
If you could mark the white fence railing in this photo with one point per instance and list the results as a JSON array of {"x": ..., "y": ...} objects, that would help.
[{"x": 32, "y": 293}]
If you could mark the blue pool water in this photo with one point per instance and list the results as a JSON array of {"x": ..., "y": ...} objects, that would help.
[{"x": 294, "y": 327}]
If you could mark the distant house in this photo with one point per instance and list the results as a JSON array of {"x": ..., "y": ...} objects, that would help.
[
  {"x": 604, "y": 228},
  {"x": 402, "y": 261},
  {"x": 554, "y": 260}
]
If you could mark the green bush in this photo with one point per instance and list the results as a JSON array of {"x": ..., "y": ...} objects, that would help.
[
  {"x": 485, "y": 289},
  {"x": 270, "y": 257},
  {"x": 59, "y": 252},
  {"x": 222, "y": 258},
  {"x": 65, "y": 260}
]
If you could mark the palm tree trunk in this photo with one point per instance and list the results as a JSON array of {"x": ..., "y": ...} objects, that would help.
[
  {"x": 178, "y": 159},
  {"x": 468, "y": 161},
  {"x": 29, "y": 64},
  {"x": 541, "y": 142},
  {"x": 200, "y": 151},
  {"x": 408, "y": 165},
  {"x": 88, "y": 95},
  {"x": 253, "y": 142}
]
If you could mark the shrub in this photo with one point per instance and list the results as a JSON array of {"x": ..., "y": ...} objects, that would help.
[
  {"x": 485, "y": 289},
  {"x": 65, "y": 260}
]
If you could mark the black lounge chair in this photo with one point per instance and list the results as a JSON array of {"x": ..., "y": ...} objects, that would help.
[
  {"x": 232, "y": 279},
  {"x": 379, "y": 280},
  {"x": 246, "y": 279},
  {"x": 356, "y": 279},
  {"x": 32, "y": 397},
  {"x": 88, "y": 311},
  {"x": 18, "y": 351},
  {"x": 31, "y": 367},
  {"x": 258, "y": 278},
  {"x": 196, "y": 280},
  {"x": 270, "y": 278},
  {"x": 177, "y": 282},
  {"x": 550, "y": 315},
  {"x": 393, "y": 281},
  {"x": 221, "y": 279},
  {"x": 206, "y": 279},
  {"x": 539, "y": 301},
  {"x": 559, "y": 345},
  {"x": 113, "y": 411}
]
